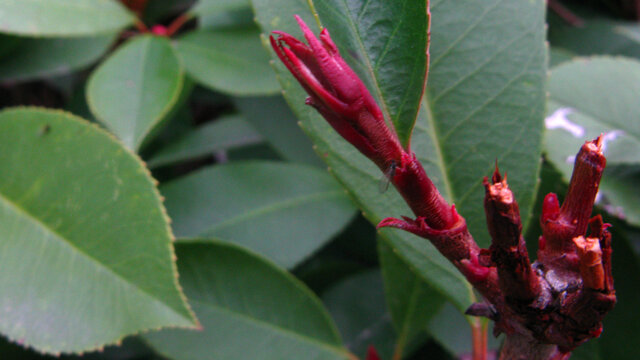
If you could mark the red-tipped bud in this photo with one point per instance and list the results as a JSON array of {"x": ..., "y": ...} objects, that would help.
[
  {"x": 338, "y": 94},
  {"x": 589, "y": 166},
  {"x": 517, "y": 279}
]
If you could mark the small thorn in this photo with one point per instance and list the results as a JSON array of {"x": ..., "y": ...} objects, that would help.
[
  {"x": 496, "y": 178},
  {"x": 599, "y": 142}
]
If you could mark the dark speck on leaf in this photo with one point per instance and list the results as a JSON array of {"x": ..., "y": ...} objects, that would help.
[
  {"x": 353, "y": 54},
  {"x": 44, "y": 129}
]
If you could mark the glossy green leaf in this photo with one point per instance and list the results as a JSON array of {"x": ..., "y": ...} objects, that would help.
[
  {"x": 619, "y": 194},
  {"x": 593, "y": 96},
  {"x": 283, "y": 211},
  {"x": 208, "y": 7},
  {"x": 36, "y": 58},
  {"x": 63, "y": 17},
  {"x": 452, "y": 331},
  {"x": 249, "y": 309},
  {"x": 631, "y": 30},
  {"x": 225, "y": 133},
  {"x": 223, "y": 13},
  {"x": 485, "y": 100},
  {"x": 235, "y": 17},
  {"x": 231, "y": 61},
  {"x": 271, "y": 116},
  {"x": 86, "y": 246},
  {"x": 558, "y": 56},
  {"x": 412, "y": 302},
  {"x": 135, "y": 88},
  {"x": 386, "y": 43},
  {"x": 357, "y": 305}
]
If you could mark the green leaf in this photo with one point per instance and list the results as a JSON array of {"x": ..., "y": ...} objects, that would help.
[
  {"x": 36, "y": 58},
  {"x": 231, "y": 61},
  {"x": 631, "y": 30},
  {"x": 209, "y": 7},
  {"x": 135, "y": 88},
  {"x": 357, "y": 305},
  {"x": 225, "y": 133},
  {"x": 249, "y": 308},
  {"x": 241, "y": 17},
  {"x": 411, "y": 301},
  {"x": 223, "y": 13},
  {"x": 386, "y": 43},
  {"x": 486, "y": 103},
  {"x": 452, "y": 331},
  {"x": 558, "y": 56},
  {"x": 280, "y": 210},
  {"x": 271, "y": 116},
  {"x": 595, "y": 95},
  {"x": 63, "y": 17},
  {"x": 485, "y": 100},
  {"x": 86, "y": 245},
  {"x": 618, "y": 193}
]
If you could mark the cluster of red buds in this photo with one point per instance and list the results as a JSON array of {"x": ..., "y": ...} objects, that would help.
[{"x": 546, "y": 308}]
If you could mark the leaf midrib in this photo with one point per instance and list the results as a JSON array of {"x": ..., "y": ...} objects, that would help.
[
  {"x": 435, "y": 139},
  {"x": 170, "y": 103},
  {"x": 404, "y": 331},
  {"x": 289, "y": 203},
  {"x": 139, "y": 93},
  {"x": 37, "y": 222}
]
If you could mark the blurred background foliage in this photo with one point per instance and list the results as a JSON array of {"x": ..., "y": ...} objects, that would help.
[{"x": 207, "y": 116}]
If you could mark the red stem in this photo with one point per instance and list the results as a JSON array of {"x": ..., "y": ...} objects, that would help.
[
  {"x": 566, "y": 14},
  {"x": 177, "y": 24},
  {"x": 479, "y": 339},
  {"x": 141, "y": 26}
]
